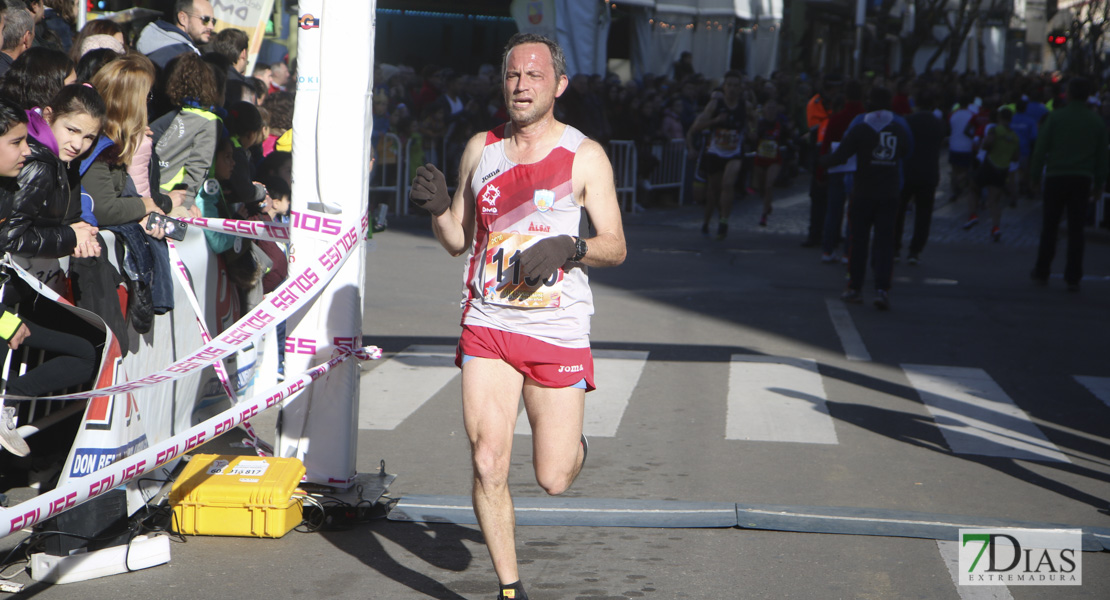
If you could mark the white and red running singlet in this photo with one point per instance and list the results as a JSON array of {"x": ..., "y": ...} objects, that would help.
[{"x": 515, "y": 206}]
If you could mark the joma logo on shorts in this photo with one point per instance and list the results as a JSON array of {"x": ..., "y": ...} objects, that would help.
[{"x": 570, "y": 368}]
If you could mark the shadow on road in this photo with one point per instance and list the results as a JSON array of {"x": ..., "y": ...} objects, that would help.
[{"x": 438, "y": 544}]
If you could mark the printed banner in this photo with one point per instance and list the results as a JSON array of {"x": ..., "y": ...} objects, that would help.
[
  {"x": 296, "y": 292},
  {"x": 131, "y": 468}
]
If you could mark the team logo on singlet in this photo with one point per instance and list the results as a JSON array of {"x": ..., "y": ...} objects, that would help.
[
  {"x": 544, "y": 200},
  {"x": 489, "y": 197}
]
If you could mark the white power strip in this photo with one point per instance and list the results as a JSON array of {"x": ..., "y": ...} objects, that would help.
[{"x": 143, "y": 552}]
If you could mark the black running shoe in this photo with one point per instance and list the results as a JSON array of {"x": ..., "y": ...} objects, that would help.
[
  {"x": 882, "y": 300},
  {"x": 852, "y": 296}
]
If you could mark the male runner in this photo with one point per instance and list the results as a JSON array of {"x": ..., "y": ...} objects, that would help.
[
  {"x": 726, "y": 117},
  {"x": 527, "y": 301}
]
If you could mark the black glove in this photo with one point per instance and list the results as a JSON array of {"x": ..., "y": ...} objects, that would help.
[
  {"x": 429, "y": 190},
  {"x": 544, "y": 258}
]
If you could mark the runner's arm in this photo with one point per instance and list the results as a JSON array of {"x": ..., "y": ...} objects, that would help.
[
  {"x": 705, "y": 117},
  {"x": 455, "y": 227},
  {"x": 599, "y": 197}
]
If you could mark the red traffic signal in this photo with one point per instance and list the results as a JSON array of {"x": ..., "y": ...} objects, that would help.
[{"x": 1057, "y": 39}]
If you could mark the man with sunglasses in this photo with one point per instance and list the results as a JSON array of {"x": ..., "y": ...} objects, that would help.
[{"x": 189, "y": 24}]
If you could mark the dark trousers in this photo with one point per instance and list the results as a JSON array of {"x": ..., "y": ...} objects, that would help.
[
  {"x": 70, "y": 361},
  {"x": 835, "y": 197},
  {"x": 818, "y": 198},
  {"x": 1063, "y": 193},
  {"x": 923, "y": 197},
  {"x": 865, "y": 214}
]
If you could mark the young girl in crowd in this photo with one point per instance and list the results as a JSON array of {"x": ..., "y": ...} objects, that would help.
[
  {"x": 73, "y": 357},
  {"x": 46, "y": 209}
]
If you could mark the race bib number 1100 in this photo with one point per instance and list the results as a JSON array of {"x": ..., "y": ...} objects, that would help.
[{"x": 504, "y": 284}]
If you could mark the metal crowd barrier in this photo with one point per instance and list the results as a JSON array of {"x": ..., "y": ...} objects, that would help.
[
  {"x": 622, "y": 153},
  {"x": 671, "y": 170},
  {"x": 389, "y": 175}
]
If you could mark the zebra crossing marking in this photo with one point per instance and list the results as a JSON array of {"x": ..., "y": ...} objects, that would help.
[
  {"x": 976, "y": 416},
  {"x": 391, "y": 392},
  {"x": 1099, "y": 386},
  {"x": 777, "y": 399},
  {"x": 617, "y": 373},
  {"x": 850, "y": 339},
  {"x": 950, "y": 553}
]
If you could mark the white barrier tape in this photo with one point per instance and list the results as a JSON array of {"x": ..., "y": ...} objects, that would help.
[
  {"x": 297, "y": 290},
  {"x": 318, "y": 224},
  {"x": 260, "y": 447},
  {"x": 187, "y": 287},
  {"x": 128, "y": 469},
  {"x": 267, "y": 231}
]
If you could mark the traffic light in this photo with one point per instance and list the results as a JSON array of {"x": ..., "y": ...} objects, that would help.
[{"x": 1057, "y": 39}]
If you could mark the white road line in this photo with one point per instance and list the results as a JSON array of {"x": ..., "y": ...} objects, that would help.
[
  {"x": 976, "y": 416},
  {"x": 391, "y": 392},
  {"x": 846, "y": 329},
  {"x": 1099, "y": 386},
  {"x": 616, "y": 373},
  {"x": 950, "y": 553},
  {"x": 777, "y": 399}
]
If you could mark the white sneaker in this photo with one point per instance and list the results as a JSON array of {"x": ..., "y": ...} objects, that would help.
[{"x": 9, "y": 437}]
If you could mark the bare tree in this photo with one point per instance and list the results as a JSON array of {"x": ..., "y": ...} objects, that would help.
[
  {"x": 1088, "y": 26},
  {"x": 926, "y": 14},
  {"x": 960, "y": 22}
]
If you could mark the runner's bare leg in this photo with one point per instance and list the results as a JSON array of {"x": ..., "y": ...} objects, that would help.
[
  {"x": 555, "y": 415},
  {"x": 491, "y": 395}
]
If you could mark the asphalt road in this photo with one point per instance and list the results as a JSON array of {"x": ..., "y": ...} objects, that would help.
[{"x": 689, "y": 314}]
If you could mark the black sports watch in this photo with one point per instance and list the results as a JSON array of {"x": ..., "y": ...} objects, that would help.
[{"x": 580, "y": 249}]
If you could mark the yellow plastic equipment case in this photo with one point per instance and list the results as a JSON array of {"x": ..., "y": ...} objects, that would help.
[{"x": 248, "y": 496}]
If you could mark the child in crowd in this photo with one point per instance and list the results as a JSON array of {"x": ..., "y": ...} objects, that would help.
[
  {"x": 45, "y": 220},
  {"x": 244, "y": 124},
  {"x": 280, "y": 105},
  {"x": 74, "y": 358}
]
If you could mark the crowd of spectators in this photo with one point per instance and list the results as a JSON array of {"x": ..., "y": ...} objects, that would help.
[{"x": 109, "y": 129}]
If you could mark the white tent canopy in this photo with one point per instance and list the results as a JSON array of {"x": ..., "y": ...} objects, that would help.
[
  {"x": 664, "y": 29},
  {"x": 742, "y": 9}
]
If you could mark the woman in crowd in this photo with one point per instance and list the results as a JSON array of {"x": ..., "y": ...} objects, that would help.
[
  {"x": 36, "y": 76},
  {"x": 61, "y": 18},
  {"x": 186, "y": 147},
  {"x": 86, "y": 40},
  {"x": 93, "y": 61},
  {"x": 124, "y": 85}
]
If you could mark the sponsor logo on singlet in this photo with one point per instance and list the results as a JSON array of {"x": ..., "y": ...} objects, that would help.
[
  {"x": 491, "y": 175},
  {"x": 539, "y": 228},
  {"x": 489, "y": 197},
  {"x": 544, "y": 200}
]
